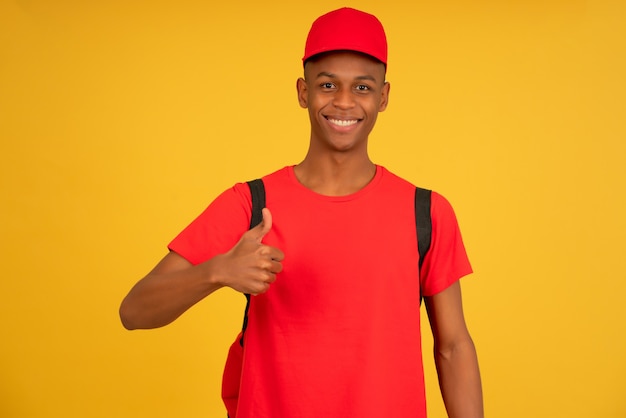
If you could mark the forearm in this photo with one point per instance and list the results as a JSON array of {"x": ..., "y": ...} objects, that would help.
[
  {"x": 161, "y": 297},
  {"x": 175, "y": 285},
  {"x": 459, "y": 379}
]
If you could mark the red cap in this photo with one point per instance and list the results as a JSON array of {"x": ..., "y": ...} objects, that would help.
[{"x": 347, "y": 29}]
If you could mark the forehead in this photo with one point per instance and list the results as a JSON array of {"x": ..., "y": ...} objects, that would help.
[{"x": 345, "y": 64}]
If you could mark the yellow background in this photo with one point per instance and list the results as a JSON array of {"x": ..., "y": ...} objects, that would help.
[{"x": 120, "y": 121}]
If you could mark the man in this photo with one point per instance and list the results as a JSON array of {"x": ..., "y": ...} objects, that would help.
[{"x": 333, "y": 322}]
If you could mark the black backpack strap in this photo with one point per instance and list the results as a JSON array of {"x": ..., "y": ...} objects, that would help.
[
  {"x": 257, "y": 191},
  {"x": 423, "y": 224}
]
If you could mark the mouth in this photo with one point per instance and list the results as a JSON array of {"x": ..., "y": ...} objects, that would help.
[{"x": 342, "y": 122}]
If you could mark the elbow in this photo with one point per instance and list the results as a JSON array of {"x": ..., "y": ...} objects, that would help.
[
  {"x": 126, "y": 316},
  {"x": 135, "y": 316},
  {"x": 454, "y": 348},
  {"x": 127, "y": 324}
]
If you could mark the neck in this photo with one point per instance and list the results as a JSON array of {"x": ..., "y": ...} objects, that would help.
[{"x": 335, "y": 175}]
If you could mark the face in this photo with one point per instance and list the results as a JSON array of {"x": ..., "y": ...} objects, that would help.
[{"x": 343, "y": 92}]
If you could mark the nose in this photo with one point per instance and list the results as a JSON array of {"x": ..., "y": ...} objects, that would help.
[{"x": 343, "y": 99}]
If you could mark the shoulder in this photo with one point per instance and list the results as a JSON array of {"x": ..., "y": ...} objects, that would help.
[
  {"x": 279, "y": 178},
  {"x": 440, "y": 204},
  {"x": 392, "y": 186},
  {"x": 391, "y": 177},
  {"x": 241, "y": 191}
]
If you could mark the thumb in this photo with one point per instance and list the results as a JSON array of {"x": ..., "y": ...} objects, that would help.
[{"x": 265, "y": 226}]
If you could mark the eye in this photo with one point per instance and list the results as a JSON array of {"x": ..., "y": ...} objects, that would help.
[
  {"x": 362, "y": 88},
  {"x": 327, "y": 85}
]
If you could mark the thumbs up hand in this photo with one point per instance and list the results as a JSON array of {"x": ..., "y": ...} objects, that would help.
[
  {"x": 250, "y": 266},
  {"x": 259, "y": 231}
]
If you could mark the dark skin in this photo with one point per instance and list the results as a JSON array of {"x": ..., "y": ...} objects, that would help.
[
  {"x": 343, "y": 97},
  {"x": 343, "y": 93},
  {"x": 175, "y": 285}
]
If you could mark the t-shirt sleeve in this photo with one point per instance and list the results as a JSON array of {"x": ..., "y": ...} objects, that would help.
[
  {"x": 218, "y": 228},
  {"x": 446, "y": 261}
]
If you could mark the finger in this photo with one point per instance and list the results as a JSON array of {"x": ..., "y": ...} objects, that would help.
[
  {"x": 260, "y": 288},
  {"x": 276, "y": 254},
  {"x": 270, "y": 279},
  {"x": 275, "y": 267},
  {"x": 271, "y": 253},
  {"x": 270, "y": 266},
  {"x": 265, "y": 226}
]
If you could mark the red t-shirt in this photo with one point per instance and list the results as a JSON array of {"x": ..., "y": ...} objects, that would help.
[{"x": 338, "y": 333}]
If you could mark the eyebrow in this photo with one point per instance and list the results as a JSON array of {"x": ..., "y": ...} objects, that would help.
[{"x": 361, "y": 77}]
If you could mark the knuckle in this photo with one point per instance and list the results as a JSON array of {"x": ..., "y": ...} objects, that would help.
[
  {"x": 264, "y": 264},
  {"x": 262, "y": 288},
  {"x": 266, "y": 276}
]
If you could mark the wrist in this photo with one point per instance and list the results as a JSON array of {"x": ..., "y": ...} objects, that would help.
[{"x": 211, "y": 273}]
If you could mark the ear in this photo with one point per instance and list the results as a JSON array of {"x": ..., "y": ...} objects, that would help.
[
  {"x": 303, "y": 93},
  {"x": 384, "y": 97}
]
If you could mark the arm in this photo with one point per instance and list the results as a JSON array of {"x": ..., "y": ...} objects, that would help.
[
  {"x": 175, "y": 285},
  {"x": 455, "y": 355}
]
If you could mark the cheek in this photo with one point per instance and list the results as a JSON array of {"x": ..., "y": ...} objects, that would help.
[
  {"x": 313, "y": 113},
  {"x": 374, "y": 107},
  {"x": 316, "y": 102}
]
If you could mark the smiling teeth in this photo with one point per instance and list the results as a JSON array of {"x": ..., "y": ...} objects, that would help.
[{"x": 342, "y": 122}]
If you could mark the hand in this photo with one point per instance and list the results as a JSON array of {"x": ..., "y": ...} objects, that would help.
[{"x": 251, "y": 266}]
